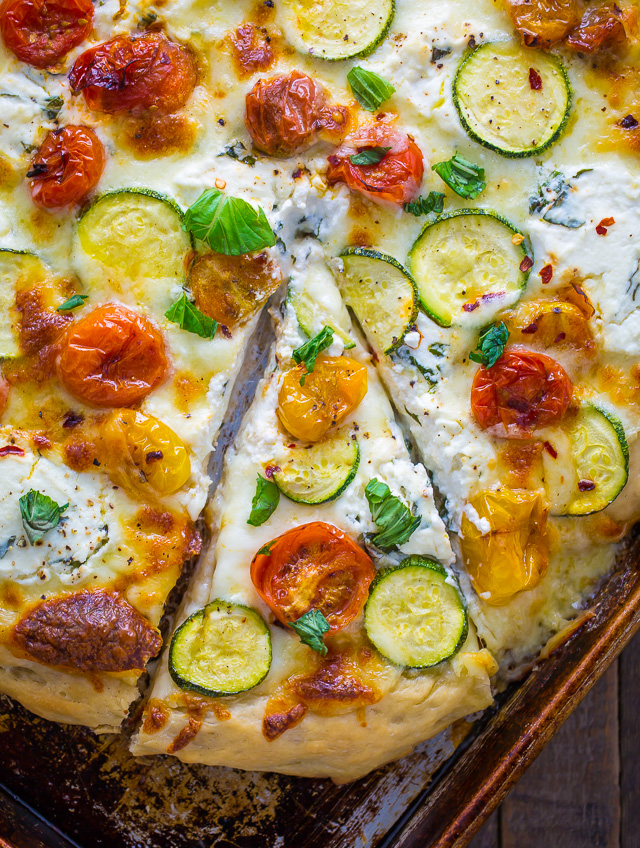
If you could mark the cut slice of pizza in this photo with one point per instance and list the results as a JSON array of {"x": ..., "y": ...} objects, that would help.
[{"x": 324, "y": 633}]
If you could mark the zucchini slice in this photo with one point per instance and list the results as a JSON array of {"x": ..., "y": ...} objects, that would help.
[
  {"x": 512, "y": 100},
  {"x": 18, "y": 269},
  {"x": 221, "y": 649},
  {"x": 591, "y": 466},
  {"x": 133, "y": 233},
  {"x": 382, "y": 294},
  {"x": 312, "y": 317},
  {"x": 336, "y": 29},
  {"x": 468, "y": 266},
  {"x": 320, "y": 472},
  {"x": 414, "y": 616}
]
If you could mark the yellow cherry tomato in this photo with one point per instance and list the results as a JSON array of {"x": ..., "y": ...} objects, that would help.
[
  {"x": 330, "y": 392},
  {"x": 141, "y": 451},
  {"x": 550, "y": 324},
  {"x": 505, "y": 548}
]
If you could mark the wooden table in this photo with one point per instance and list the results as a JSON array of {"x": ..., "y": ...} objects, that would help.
[{"x": 583, "y": 791}]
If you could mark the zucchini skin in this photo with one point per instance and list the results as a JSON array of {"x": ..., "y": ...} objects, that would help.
[
  {"x": 373, "y": 45},
  {"x": 334, "y": 495},
  {"x": 512, "y": 154}
]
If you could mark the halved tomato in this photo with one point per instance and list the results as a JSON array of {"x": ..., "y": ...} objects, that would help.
[
  {"x": 66, "y": 168},
  {"x": 41, "y": 32},
  {"x": 397, "y": 176},
  {"x": 327, "y": 395},
  {"x": 112, "y": 357},
  {"x": 542, "y": 23},
  {"x": 315, "y": 566},
  {"x": 134, "y": 74},
  {"x": 522, "y": 391}
]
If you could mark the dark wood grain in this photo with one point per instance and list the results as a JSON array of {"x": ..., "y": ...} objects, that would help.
[{"x": 629, "y": 672}]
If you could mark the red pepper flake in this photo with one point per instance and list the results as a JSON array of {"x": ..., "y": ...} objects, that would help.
[
  {"x": 601, "y": 229},
  {"x": 546, "y": 274},
  {"x": 492, "y": 296},
  {"x": 628, "y": 123},
  {"x": 535, "y": 80},
  {"x": 551, "y": 450},
  {"x": 11, "y": 450},
  {"x": 72, "y": 419},
  {"x": 469, "y": 307},
  {"x": 532, "y": 328},
  {"x": 270, "y": 470},
  {"x": 154, "y": 456},
  {"x": 560, "y": 338},
  {"x": 526, "y": 264},
  {"x": 586, "y": 485}
]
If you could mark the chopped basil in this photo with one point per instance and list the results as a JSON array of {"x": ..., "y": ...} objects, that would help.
[
  {"x": 235, "y": 150},
  {"x": 265, "y": 501},
  {"x": 491, "y": 344},
  {"x": 463, "y": 177},
  {"x": 53, "y": 107},
  {"x": 433, "y": 202},
  {"x": 369, "y": 89},
  {"x": 265, "y": 550},
  {"x": 310, "y": 627},
  {"x": 554, "y": 198},
  {"x": 40, "y": 513},
  {"x": 72, "y": 303},
  {"x": 369, "y": 156},
  {"x": 395, "y": 520},
  {"x": 189, "y": 317},
  {"x": 228, "y": 225},
  {"x": 308, "y": 352},
  {"x": 438, "y": 348}
]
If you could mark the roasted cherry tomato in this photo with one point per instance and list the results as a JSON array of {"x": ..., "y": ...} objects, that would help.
[
  {"x": 543, "y": 23},
  {"x": 140, "y": 451},
  {"x": 315, "y": 566},
  {"x": 252, "y": 49},
  {"x": 514, "y": 554},
  {"x": 134, "y": 74},
  {"x": 41, "y": 32},
  {"x": 230, "y": 289},
  {"x": 333, "y": 389},
  {"x": 551, "y": 324},
  {"x": 286, "y": 113},
  {"x": 522, "y": 391},
  {"x": 395, "y": 178},
  {"x": 112, "y": 357},
  {"x": 4, "y": 394},
  {"x": 599, "y": 27},
  {"x": 67, "y": 167}
]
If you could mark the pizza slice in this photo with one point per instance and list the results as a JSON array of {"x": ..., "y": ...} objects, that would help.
[{"x": 324, "y": 633}]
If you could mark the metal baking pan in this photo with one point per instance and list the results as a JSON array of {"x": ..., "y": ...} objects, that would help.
[{"x": 64, "y": 787}]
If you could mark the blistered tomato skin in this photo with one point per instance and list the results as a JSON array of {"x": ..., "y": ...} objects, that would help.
[
  {"x": 395, "y": 179},
  {"x": 135, "y": 74},
  {"x": 112, "y": 357},
  {"x": 599, "y": 28},
  {"x": 41, "y": 32},
  {"x": 543, "y": 23},
  {"x": 140, "y": 451},
  {"x": 521, "y": 392},
  {"x": 330, "y": 392},
  {"x": 314, "y": 566},
  {"x": 286, "y": 113},
  {"x": 513, "y": 555},
  {"x": 66, "y": 168}
]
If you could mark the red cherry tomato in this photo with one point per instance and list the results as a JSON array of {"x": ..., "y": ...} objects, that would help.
[
  {"x": 67, "y": 167},
  {"x": 395, "y": 178},
  {"x": 112, "y": 357},
  {"x": 315, "y": 566},
  {"x": 41, "y": 32},
  {"x": 522, "y": 391},
  {"x": 4, "y": 394},
  {"x": 133, "y": 74}
]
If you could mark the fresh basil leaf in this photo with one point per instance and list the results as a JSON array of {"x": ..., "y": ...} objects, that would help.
[
  {"x": 53, "y": 107},
  {"x": 265, "y": 501},
  {"x": 369, "y": 156},
  {"x": 463, "y": 177},
  {"x": 308, "y": 352},
  {"x": 491, "y": 344},
  {"x": 235, "y": 150},
  {"x": 72, "y": 303},
  {"x": 310, "y": 627},
  {"x": 4, "y": 546},
  {"x": 395, "y": 520},
  {"x": 265, "y": 550},
  {"x": 433, "y": 202},
  {"x": 189, "y": 317},
  {"x": 369, "y": 89},
  {"x": 228, "y": 225},
  {"x": 40, "y": 513}
]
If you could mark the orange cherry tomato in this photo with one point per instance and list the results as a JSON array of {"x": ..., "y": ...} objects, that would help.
[
  {"x": 522, "y": 391},
  {"x": 315, "y": 566},
  {"x": 67, "y": 167},
  {"x": 542, "y": 23},
  {"x": 396, "y": 178},
  {"x": 41, "y": 32},
  {"x": 333, "y": 389},
  {"x": 112, "y": 357},
  {"x": 598, "y": 28},
  {"x": 286, "y": 113},
  {"x": 133, "y": 74}
]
